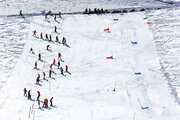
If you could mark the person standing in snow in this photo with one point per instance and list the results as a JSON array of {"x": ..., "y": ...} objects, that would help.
[
  {"x": 44, "y": 75},
  {"x": 58, "y": 64},
  {"x": 25, "y": 92},
  {"x": 59, "y": 55},
  {"x": 39, "y": 56},
  {"x": 54, "y": 17},
  {"x": 29, "y": 94},
  {"x": 50, "y": 38},
  {"x": 59, "y": 14},
  {"x": 51, "y": 101},
  {"x": 47, "y": 47},
  {"x": 64, "y": 41},
  {"x": 50, "y": 72},
  {"x": 35, "y": 67},
  {"x": 66, "y": 68},
  {"x": 41, "y": 36},
  {"x": 37, "y": 79},
  {"x": 20, "y": 12},
  {"x": 39, "y": 103},
  {"x": 34, "y": 33},
  {"x": 38, "y": 95},
  {"x": 31, "y": 51},
  {"x": 46, "y": 36},
  {"x": 54, "y": 62},
  {"x": 57, "y": 39},
  {"x": 61, "y": 69},
  {"x": 55, "y": 29},
  {"x": 51, "y": 66}
]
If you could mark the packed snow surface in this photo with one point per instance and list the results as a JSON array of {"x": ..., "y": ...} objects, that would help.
[{"x": 86, "y": 92}]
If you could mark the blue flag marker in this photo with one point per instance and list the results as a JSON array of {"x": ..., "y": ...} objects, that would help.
[
  {"x": 138, "y": 73},
  {"x": 134, "y": 42},
  {"x": 144, "y": 107},
  {"x": 115, "y": 19}
]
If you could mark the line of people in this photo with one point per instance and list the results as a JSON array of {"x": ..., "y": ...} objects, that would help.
[
  {"x": 64, "y": 41},
  {"x": 45, "y": 102}
]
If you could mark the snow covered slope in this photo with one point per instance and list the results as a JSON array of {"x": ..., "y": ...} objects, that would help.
[
  {"x": 166, "y": 35},
  {"x": 87, "y": 91}
]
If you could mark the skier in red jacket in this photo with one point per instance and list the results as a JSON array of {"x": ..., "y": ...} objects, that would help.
[
  {"x": 34, "y": 32},
  {"x": 41, "y": 36},
  {"x": 50, "y": 72},
  {"x": 29, "y": 94},
  {"x": 35, "y": 65},
  {"x": 59, "y": 14},
  {"x": 51, "y": 101},
  {"x": 47, "y": 47},
  {"x": 50, "y": 38},
  {"x": 38, "y": 95},
  {"x": 66, "y": 68},
  {"x": 55, "y": 29},
  {"x": 54, "y": 61}
]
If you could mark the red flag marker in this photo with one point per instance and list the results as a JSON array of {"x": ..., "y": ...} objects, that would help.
[
  {"x": 106, "y": 29},
  {"x": 148, "y": 22},
  {"x": 111, "y": 57},
  {"x": 114, "y": 90}
]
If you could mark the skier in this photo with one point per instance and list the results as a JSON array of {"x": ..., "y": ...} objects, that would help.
[
  {"x": 59, "y": 55},
  {"x": 55, "y": 18},
  {"x": 37, "y": 79},
  {"x": 61, "y": 70},
  {"x": 50, "y": 72},
  {"x": 41, "y": 36},
  {"x": 50, "y": 38},
  {"x": 57, "y": 39},
  {"x": 29, "y": 94},
  {"x": 46, "y": 37},
  {"x": 102, "y": 11},
  {"x": 58, "y": 64},
  {"x": 20, "y": 12},
  {"x": 31, "y": 51},
  {"x": 44, "y": 75},
  {"x": 51, "y": 101},
  {"x": 47, "y": 47},
  {"x": 55, "y": 29},
  {"x": 45, "y": 105},
  {"x": 35, "y": 65},
  {"x": 86, "y": 11},
  {"x": 34, "y": 33},
  {"x": 64, "y": 41},
  {"x": 89, "y": 11},
  {"x": 39, "y": 103},
  {"x": 59, "y": 14},
  {"x": 39, "y": 56},
  {"x": 51, "y": 66},
  {"x": 38, "y": 95},
  {"x": 25, "y": 92},
  {"x": 66, "y": 68},
  {"x": 54, "y": 61}
]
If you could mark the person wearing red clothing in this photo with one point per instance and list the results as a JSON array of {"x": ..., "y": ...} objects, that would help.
[
  {"x": 41, "y": 36},
  {"x": 50, "y": 72},
  {"x": 34, "y": 32},
  {"x": 57, "y": 39},
  {"x": 59, "y": 55},
  {"x": 55, "y": 29},
  {"x": 35, "y": 65},
  {"x": 29, "y": 94},
  {"x": 38, "y": 95},
  {"x": 51, "y": 101},
  {"x": 50, "y": 38},
  {"x": 51, "y": 66},
  {"x": 47, "y": 47},
  {"x": 59, "y": 14},
  {"x": 54, "y": 61},
  {"x": 66, "y": 68}
]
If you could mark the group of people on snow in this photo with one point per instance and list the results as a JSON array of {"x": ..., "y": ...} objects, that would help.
[{"x": 45, "y": 103}]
